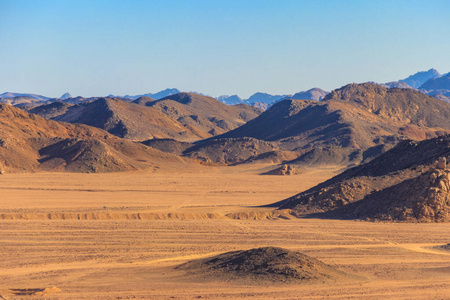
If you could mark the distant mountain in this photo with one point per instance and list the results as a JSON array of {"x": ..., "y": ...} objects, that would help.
[
  {"x": 14, "y": 95},
  {"x": 123, "y": 119},
  {"x": 397, "y": 84},
  {"x": 65, "y": 96},
  {"x": 263, "y": 98},
  {"x": 204, "y": 115},
  {"x": 230, "y": 100},
  {"x": 22, "y": 101},
  {"x": 312, "y": 94},
  {"x": 156, "y": 96},
  {"x": 420, "y": 78},
  {"x": 350, "y": 125},
  {"x": 440, "y": 83},
  {"x": 51, "y": 110},
  {"x": 184, "y": 116}
]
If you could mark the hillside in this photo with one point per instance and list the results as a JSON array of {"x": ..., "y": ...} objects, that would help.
[
  {"x": 31, "y": 143},
  {"x": 351, "y": 124},
  {"x": 123, "y": 119},
  {"x": 408, "y": 183},
  {"x": 204, "y": 116},
  {"x": 51, "y": 110}
]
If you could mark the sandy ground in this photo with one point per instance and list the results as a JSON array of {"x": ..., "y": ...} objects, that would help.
[{"x": 119, "y": 236}]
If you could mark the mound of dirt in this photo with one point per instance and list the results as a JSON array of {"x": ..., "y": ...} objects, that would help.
[
  {"x": 263, "y": 265},
  {"x": 407, "y": 183}
]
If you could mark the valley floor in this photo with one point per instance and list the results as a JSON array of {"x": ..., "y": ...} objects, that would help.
[{"x": 120, "y": 235}]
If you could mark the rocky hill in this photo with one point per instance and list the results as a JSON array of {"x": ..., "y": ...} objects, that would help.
[
  {"x": 51, "y": 110},
  {"x": 204, "y": 116},
  {"x": 31, "y": 143},
  {"x": 408, "y": 183},
  {"x": 351, "y": 124},
  {"x": 123, "y": 119}
]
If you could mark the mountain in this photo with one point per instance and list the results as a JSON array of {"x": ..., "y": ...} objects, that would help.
[
  {"x": 230, "y": 100},
  {"x": 354, "y": 123},
  {"x": 420, "y": 78},
  {"x": 312, "y": 94},
  {"x": 204, "y": 116},
  {"x": 396, "y": 84},
  {"x": 158, "y": 95},
  {"x": 264, "y": 98},
  {"x": 29, "y": 142},
  {"x": 51, "y": 110},
  {"x": 123, "y": 119},
  {"x": 437, "y": 84},
  {"x": 411, "y": 182},
  {"x": 13, "y": 95},
  {"x": 23, "y": 101},
  {"x": 65, "y": 96}
]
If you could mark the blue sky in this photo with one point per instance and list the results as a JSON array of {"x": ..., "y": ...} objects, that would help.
[{"x": 95, "y": 48}]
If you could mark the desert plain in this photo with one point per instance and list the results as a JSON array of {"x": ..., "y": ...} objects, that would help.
[{"x": 121, "y": 236}]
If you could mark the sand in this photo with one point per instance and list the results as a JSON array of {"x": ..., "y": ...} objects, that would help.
[{"x": 121, "y": 235}]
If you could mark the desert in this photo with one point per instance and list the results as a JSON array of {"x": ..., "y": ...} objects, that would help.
[
  {"x": 224, "y": 149},
  {"x": 122, "y": 235}
]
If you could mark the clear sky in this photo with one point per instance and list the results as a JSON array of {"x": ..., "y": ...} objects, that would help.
[{"x": 96, "y": 48}]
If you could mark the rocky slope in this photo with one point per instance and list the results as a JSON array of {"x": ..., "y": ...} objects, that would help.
[
  {"x": 351, "y": 124},
  {"x": 31, "y": 143},
  {"x": 408, "y": 183},
  {"x": 204, "y": 116}
]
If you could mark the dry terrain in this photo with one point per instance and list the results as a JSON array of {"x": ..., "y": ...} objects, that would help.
[{"x": 121, "y": 236}]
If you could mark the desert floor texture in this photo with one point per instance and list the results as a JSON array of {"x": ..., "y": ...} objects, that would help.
[{"x": 120, "y": 235}]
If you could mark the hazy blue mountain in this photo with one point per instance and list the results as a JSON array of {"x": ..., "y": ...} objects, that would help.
[
  {"x": 433, "y": 84},
  {"x": 264, "y": 98},
  {"x": 312, "y": 94},
  {"x": 397, "y": 84},
  {"x": 156, "y": 96},
  {"x": 420, "y": 78},
  {"x": 230, "y": 100},
  {"x": 14, "y": 95},
  {"x": 65, "y": 96}
]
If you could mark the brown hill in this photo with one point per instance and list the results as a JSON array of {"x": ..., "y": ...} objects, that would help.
[
  {"x": 51, "y": 110},
  {"x": 204, "y": 116},
  {"x": 408, "y": 183},
  {"x": 125, "y": 120},
  {"x": 144, "y": 100},
  {"x": 267, "y": 265},
  {"x": 31, "y": 143},
  {"x": 351, "y": 124}
]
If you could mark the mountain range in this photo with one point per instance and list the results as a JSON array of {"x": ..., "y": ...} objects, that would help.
[{"x": 183, "y": 116}]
